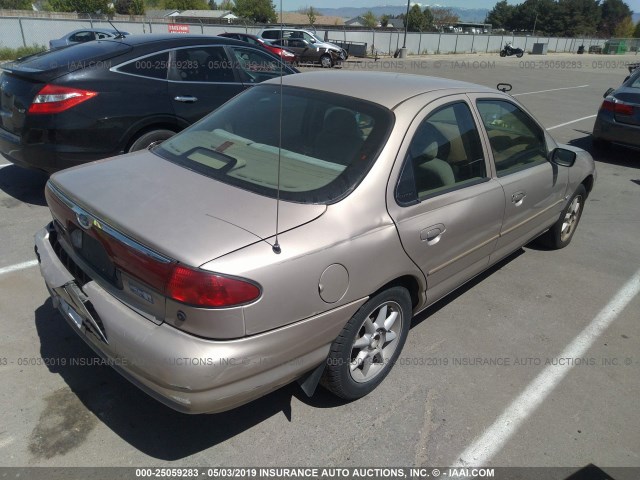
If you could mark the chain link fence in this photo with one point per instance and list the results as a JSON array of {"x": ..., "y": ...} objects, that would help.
[{"x": 24, "y": 32}]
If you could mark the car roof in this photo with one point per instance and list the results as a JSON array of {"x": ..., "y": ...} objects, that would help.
[
  {"x": 384, "y": 88},
  {"x": 175, "y": 38}
]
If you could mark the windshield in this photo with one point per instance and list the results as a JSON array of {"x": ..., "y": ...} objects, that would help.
[{"x": 329, "y": 142}]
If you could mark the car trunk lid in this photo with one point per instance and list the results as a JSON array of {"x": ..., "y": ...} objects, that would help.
[
  {"x": 179, "y": 213},
  {"x": 627, "y": 108},
  {"x": 16, "y": 95}
]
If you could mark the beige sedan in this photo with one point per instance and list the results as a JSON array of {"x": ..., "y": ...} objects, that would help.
[{"x": 294, "y": 232}]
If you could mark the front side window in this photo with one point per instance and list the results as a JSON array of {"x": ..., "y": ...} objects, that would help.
[
  {"x": 82, "y": 37},
  {"x": 516, "y": 140},
  {"x": 201, "y": 64},
  {"x": 317, "y": 150},
  {"x": 256, "y": 66},
  {"x": 445, "y": 154}
]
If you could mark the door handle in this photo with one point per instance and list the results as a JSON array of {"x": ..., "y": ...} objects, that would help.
[
  {"x": 186, "y": 99},
  {"x": 518, "y": 198},
  {"x": 432, "y": 234}
]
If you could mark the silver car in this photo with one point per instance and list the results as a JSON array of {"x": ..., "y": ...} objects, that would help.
[
  {"x": 297, "y": 242},
  {"x": 85, "y": 35}
]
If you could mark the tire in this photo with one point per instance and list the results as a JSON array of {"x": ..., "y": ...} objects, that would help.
[
  {"x": 362, "y": 355},
  {"x": 150, "y": 138},
  {"x": 519, "y": 54},
  {"x": 326, "y": 61},
  {"x": 503, "y": 53},
  {"x": 561, "y": 233}
]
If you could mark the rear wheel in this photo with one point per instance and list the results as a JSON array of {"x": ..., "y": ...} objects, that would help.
[
  {"x": 150, "y": 139},
  {"x": 503, "y": 53},
  {"x": 326, "y": 61},
  {"x": 369, "y": 344},
  {"x": 519, "y": 54},
  {"x": 561, "y": 233}
]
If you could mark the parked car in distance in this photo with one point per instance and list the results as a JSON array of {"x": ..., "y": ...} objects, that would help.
[
  {"x": 309, "y": 52},
  {"x": 392, "y": 193},
  {"x": 618, "y": 119},
  {"x": 273, "y": 34},
  {"x": 103, "y": 98},
  {"x": 85, "y": 35},
  {"x": 286, "y": 55}
]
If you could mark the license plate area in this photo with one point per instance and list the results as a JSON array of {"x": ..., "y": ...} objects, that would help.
[{"x": 76, "y": 307}]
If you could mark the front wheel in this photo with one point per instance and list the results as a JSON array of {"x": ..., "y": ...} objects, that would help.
[
  {"x": 561, "y": 233},
  {"x": 326, "y": 61},
  {"x": 369, "y": 344},
  {"x": 503, "y": 53}
]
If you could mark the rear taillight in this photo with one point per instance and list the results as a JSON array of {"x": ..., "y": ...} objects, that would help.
[
  {"x": 616, "y": 106},
  {"x": 205, "y": 289},
  {"x": 55, "y": 99}
]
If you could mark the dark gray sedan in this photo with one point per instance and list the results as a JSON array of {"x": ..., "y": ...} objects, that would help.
[{"x": 619, "y": 116}]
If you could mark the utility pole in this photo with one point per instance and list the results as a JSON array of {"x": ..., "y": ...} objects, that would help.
[{"x": 406, "y": 25}]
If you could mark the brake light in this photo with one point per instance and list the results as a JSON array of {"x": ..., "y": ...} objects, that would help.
[
  {"x": 55, "y": 99},
  {"x": 205, "y": 289},
  {"x": 614, "y": 105}
]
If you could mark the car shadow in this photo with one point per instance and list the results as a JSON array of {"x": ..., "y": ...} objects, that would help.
[
  {"x": 148, "y": 425},
  {"x": 144, "y": 423},
  {"x": 24, "y": 184},
  {"x": 613, "y": 154},
  {"x": 443, "y": 302}
]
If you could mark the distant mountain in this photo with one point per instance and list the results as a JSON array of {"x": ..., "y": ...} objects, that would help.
[{"x": 465, "y": 14}]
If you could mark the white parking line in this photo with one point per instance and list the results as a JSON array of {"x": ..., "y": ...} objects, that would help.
[
  {"x": 18, "y": 266},
  {"x": 484, "y": 448},
  {"x": 572, "y": 121},
  {"x": 545, "y": 91}
]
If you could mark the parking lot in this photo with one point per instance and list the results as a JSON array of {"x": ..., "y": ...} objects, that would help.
[{"x": 534, "y": 363}]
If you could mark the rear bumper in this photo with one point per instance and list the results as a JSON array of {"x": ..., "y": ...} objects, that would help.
[
  {"x": 187, "y": 373},
  {"x": 606, "y": 128},
  {"x": 49, "y": 157}
]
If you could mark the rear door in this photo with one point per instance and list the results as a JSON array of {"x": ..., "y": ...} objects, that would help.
[
  {"x": 534, "y": 188},
  {"x": 447, "y": 206},
  {"x": 201, "y": 78}
]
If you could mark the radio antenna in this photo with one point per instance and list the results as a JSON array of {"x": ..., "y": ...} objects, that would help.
[{"x": 276, "y": 246}]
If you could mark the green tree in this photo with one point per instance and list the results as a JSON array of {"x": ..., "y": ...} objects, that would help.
[
  {"x": 370, "y": 20},
  {"x": 80, "y": 6},
  {"x": 213, "y": 5},
  {"x": 226, "y": 5},
  {"x": 384, "y": 21},
  {"x": 311, "y": 15},
  {"x": 183, "y": 5},
  {"x": 625, "y": 28},
  {"x": 576, "y": 18},
  {"x": 428, "y": 19},
  {"x": 415, "y": 21},
  {"x": 613, "y": 14},
  {"x": 260, "y": 11},
  {"x": 15, "y": 4},
  {"x": 636, "y": 32},
  {"x": 129, "y": 7},
  {"x": 501, "y": 15}
]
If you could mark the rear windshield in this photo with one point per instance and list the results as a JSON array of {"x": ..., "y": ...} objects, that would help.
[
  {"x": 318, "y": 150},
  {"x": 72, "y": 57}
]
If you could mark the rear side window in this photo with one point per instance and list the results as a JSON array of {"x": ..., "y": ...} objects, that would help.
[
  {"x": 317, "y": 151},
  {"x": 154, "y": 66},
  {"x": 256, "y": 66},
  {"x": 445, "y": 154}
]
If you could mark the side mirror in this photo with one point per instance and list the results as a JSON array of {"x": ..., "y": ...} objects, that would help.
[
  {"x": 608, "y": 92},
  {"x": 563, "y": 157}
]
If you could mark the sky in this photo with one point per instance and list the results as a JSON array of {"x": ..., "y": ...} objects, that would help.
[{"x": 296, "y": 4}]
